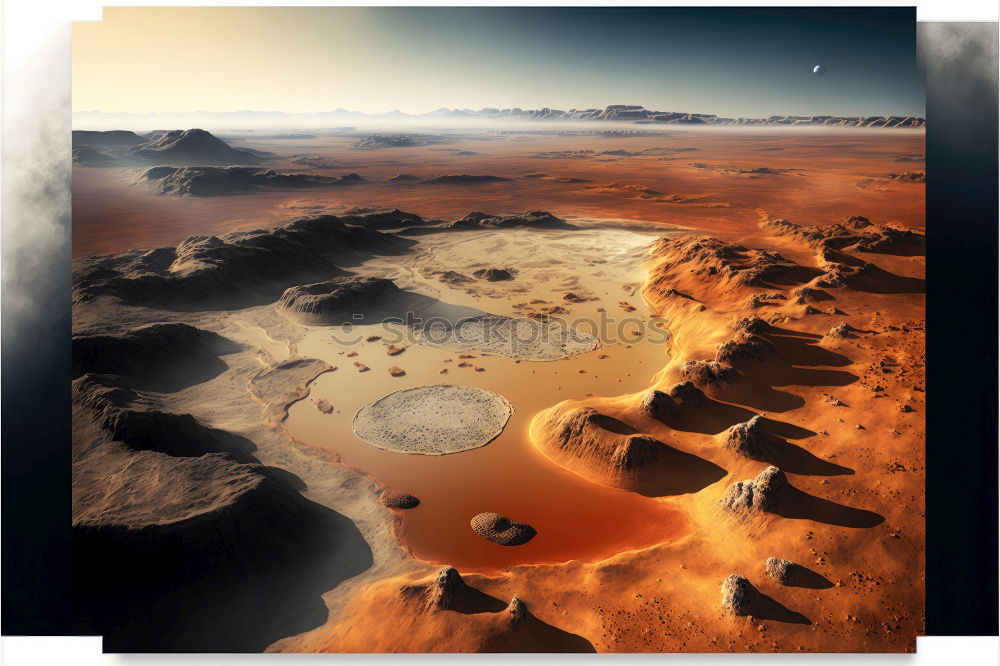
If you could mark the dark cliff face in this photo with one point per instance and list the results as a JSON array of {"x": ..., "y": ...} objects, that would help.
[
  {"x": 182, "y": 541},
  {"x": 234, "y": 579}
]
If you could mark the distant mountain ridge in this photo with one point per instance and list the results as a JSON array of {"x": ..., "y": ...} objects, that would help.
[
  {"x": 641, "y": 115},
  {"x": 160, "y": 147},
  {"x": 620, "y": 113}
]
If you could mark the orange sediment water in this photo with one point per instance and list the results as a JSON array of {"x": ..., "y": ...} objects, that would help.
[{"x": 575, "y": 518}]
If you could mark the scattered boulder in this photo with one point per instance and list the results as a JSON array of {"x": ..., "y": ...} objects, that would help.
[
  {"x": 396, "y": 371},
  {"x": 501, "y": 529},
  {"x": 780, "y": 570},
  {"x": 395, "y": 499},
  {"x": 324, "y": 406},
  {"x": 739, "y": 596}
]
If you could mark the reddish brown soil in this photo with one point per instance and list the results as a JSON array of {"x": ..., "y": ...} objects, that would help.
[{"x": 110, "y": 215}]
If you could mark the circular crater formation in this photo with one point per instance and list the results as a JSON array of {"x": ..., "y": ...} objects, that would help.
[
  {"x": 433, "y": 420},
  {"x": 501, "y": 529}
]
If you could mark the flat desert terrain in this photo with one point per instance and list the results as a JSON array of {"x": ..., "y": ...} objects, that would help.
[{"x": 502, "y": 390}]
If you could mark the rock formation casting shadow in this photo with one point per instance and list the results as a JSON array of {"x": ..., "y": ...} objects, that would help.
[
  {"x": 787, "y": 456},
  {"x": 174, "y": 591},
  {"x": 800, "y": 576},
  {"x": 528, "y": 635},
  {"x": 766, "y": 608},
  {"x": 677, "y": 473},
  {"x": 710, "y": 419},
  {"x": 798, "y": 504}
]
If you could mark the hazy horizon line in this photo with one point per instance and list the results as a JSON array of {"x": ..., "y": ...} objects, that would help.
[{"x": 397, "y": 112}]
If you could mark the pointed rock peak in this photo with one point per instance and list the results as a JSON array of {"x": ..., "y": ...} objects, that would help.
[
  {"x": 446, "y": 588},
  {"x": 517, "y": 610}
]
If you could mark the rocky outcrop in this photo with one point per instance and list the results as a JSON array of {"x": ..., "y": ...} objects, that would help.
[
  {"x": 605, "y": 450},
  {"x": 842, "y": 331},
  {"x": 382, "y": 219},
  {"x": 856, "y": 233},
  {"x": 908, "y": 177},
  {"x": 760, "y": 494},
  {"x": 681, "y": 398},
  {"x": 805, "y": 294},
  {"x": 599, "y": 447},
  {"x": 681, "y": 257},
  {"x": 745, "y": 348},
  {"x": 446, "y": 589},
  {"x": 534, "y": 218},
  {"x": 334, "y": 301},
  {"x": 213, "y": 181},
  {"x": 501, "y": 529},
  {"x": 494, "y": 274},
  {"x": 516, "y": 611},
  {"x": 749, "y": 439},
  {"x": 255, "y": 265},
  {"x": 761, "y": 300},
  {"x": 751, "y": 325},
  {"x": 708, "y": 373}
]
